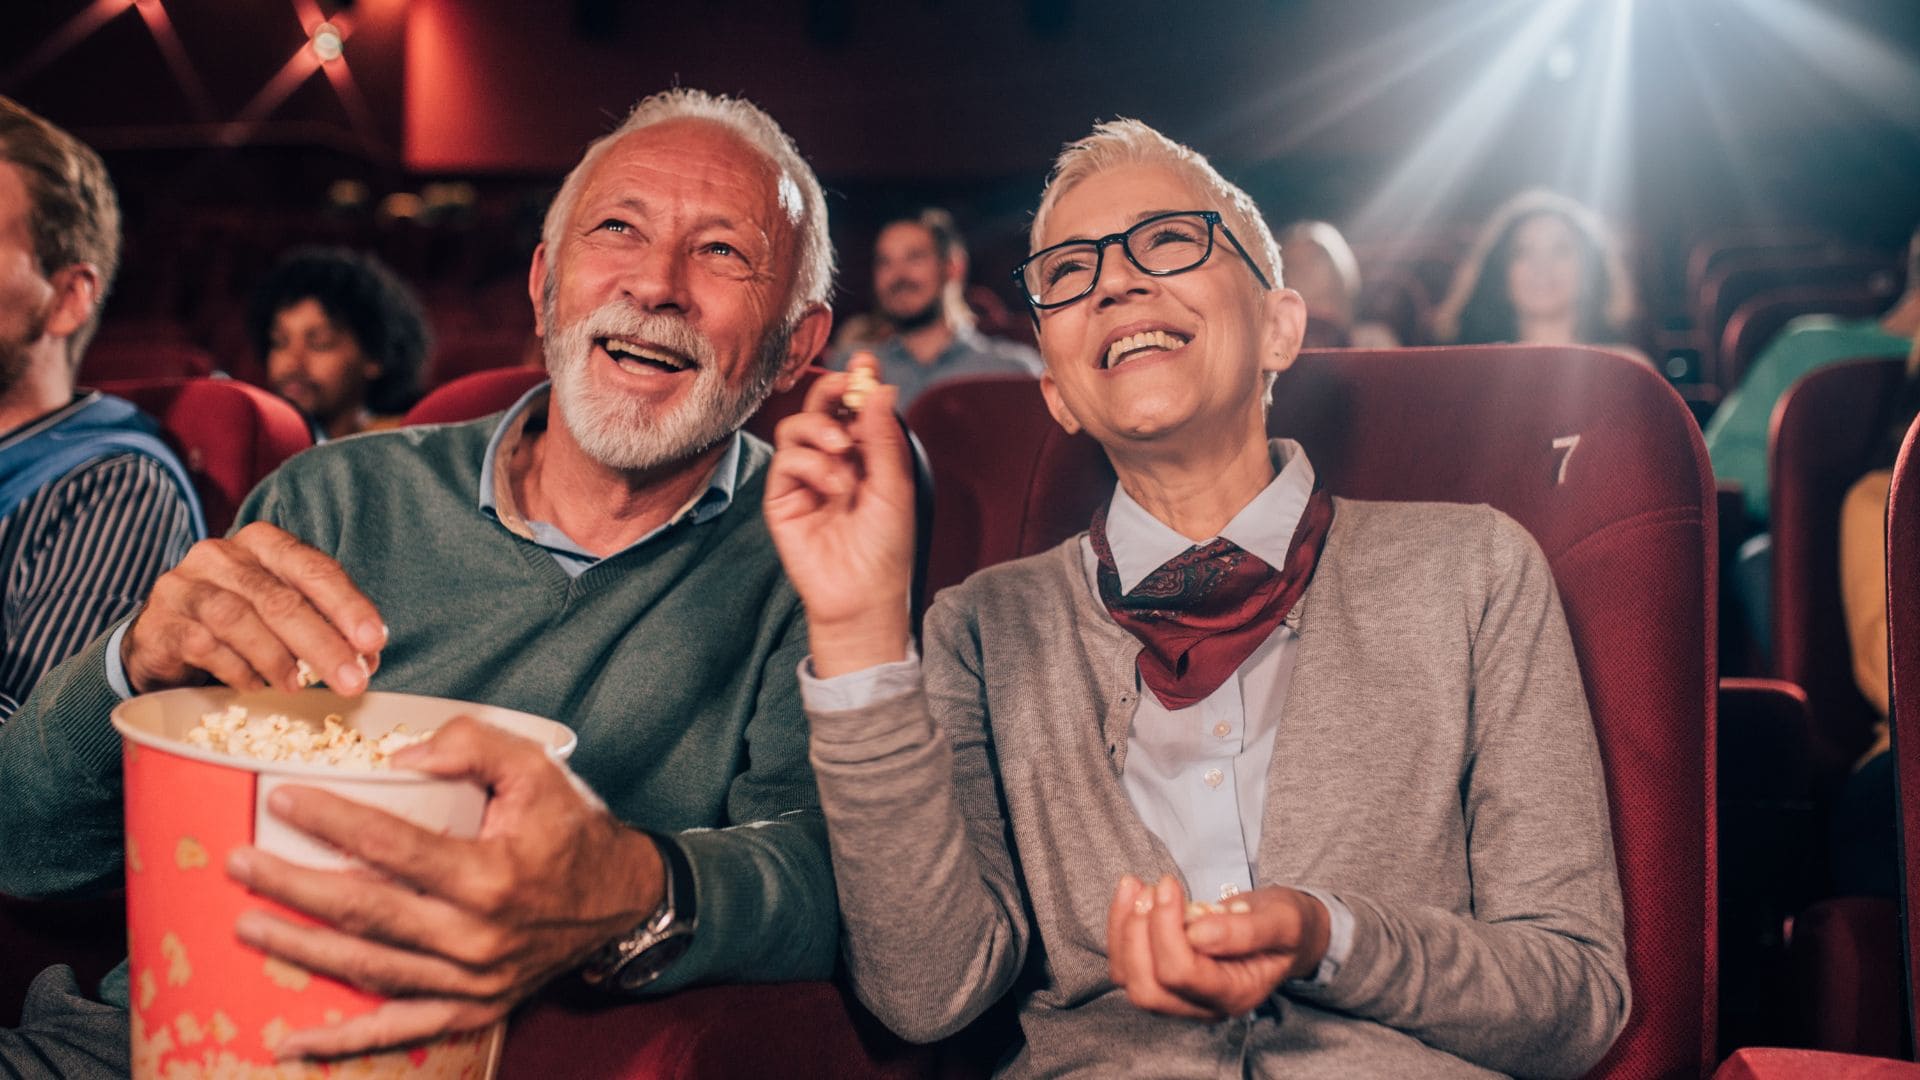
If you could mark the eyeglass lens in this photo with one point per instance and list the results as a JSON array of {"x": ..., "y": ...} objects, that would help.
[{"x": 1160, "y": 245}]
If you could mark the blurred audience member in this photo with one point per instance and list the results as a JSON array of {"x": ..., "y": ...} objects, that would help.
[
  {"x": 93, "y": 506},
  {"x": 1320, "y": 267},
  {"x": 1865, "y": 843},
  {"x": 343, "y": 339},
  {"x": 1737, "y": 434},
  {"x": 1543, "y": 272},
  {"x": 919, "y": 283}
]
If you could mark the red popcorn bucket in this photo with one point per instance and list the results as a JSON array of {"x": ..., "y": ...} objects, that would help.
[{"x": 203, "y": 1004}]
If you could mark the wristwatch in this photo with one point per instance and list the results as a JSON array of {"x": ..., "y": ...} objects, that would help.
[{"x": 644, "y": 953}]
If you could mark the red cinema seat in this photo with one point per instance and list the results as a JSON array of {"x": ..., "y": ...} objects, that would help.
[
  {"x": 1875, "y": 930},
  {"x": 1711, "y": 252},
  {"x": 1759, "y": 320},
  {"x": 1769, "y": 1063},
  {"x": 472, "y": 396},
  {"x": 461, "y": 356},
  {"x": 1903, "y": 644},
  {"x": 1596, "y": 456},
  {"x": 1770, "y": 858},
  {"x": 782, "y": 404},
  {"x": 228, "y": 434},
  {"x": 1823, "y": 430},
  {"x": 1737, "y": 281}
]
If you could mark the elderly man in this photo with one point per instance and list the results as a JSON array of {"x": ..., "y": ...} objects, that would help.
[
  {"x": 919, "y": 276},
  {"x": 1352, "y": 733},
  {"x": 92, "y": 505},
  {"x": 596, "y": 554}
]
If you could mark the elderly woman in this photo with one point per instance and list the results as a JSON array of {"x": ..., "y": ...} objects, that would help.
[
  {"x": 1543, "y": 272},
  {"x": 1352, "y": 733}
]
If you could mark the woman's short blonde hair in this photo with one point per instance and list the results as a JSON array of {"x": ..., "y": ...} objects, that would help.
[{"x": 1121, "y": 142}]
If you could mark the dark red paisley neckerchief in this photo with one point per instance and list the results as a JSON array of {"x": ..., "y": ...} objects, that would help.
[{"x": 1204, "y": 611}]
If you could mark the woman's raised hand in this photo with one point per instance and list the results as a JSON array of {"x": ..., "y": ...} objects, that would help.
[{"x": 840, "y": 504}]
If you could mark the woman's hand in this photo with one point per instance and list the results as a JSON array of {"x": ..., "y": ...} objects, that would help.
[
  {"x": 840, "y": 507},
  {"x": 1217, "y": 965}
]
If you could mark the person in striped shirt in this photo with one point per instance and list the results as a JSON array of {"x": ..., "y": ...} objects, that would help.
[{"x": 93, "y": 506}]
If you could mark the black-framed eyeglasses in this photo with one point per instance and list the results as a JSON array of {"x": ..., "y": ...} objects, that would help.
[{"x": 1161, "y": 245}]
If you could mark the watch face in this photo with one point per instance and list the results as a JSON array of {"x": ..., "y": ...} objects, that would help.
[{"x": 647, "y": 967}]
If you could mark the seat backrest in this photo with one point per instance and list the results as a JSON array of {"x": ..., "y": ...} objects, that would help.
[
  {"x": 1757, "y": 321},
  {"x": 782, "y": 404},
  {"x": 228, "y": 434},
  {"x": 1903, "y": 646},
  {"x": 1595, "y": 455},
  {"x": 472, "y": 396},
  {"x": 1730, "y": 285},
  {"x": 1823, "y": 432},
  {"x": 454, "y": 357}
]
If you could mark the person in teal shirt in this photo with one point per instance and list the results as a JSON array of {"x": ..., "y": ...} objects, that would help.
[{"x": 1737, "y": 434}]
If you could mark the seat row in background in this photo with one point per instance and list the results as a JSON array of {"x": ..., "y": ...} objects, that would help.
[{"x": 1597, "y": 456}]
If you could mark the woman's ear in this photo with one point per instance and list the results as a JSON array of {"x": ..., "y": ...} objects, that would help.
[
  {"x": 1283, "y": 326},
  {"x": 1057, "y": 405}
]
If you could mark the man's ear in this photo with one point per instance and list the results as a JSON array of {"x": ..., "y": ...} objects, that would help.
[
  {"x": 76, "y": 297},
  {"x": 1283, "y": 326},
  {"x": 809, "y": 337},
  {"x": 1057, "y": 405},
  {"x": 537, "y": 288}
]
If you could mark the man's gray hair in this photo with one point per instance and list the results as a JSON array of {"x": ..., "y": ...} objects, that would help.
[
  {"x": 800, "y": 194},
  {"x": 1121, "y": 142}
]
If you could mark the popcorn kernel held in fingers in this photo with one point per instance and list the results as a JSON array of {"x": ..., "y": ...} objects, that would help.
[
  {"x": 861, "y": 383},
  {"x": 1198, "y": 909}
]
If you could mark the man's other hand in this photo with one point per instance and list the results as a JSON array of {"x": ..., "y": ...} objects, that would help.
[{"x": 456, "y": 932}]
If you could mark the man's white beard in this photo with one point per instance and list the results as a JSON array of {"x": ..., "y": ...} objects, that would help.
[{"x": 621, "y": 432}]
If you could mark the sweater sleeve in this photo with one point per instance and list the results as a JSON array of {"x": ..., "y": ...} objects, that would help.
[
  {"x": 764, "y": 884},
  {"x": 936, "y": 923},
  {"x": 1535, "y": 980},
  {"x": 60, "y": 768}
]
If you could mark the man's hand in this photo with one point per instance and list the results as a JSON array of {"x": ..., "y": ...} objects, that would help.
[
  {"x": 457, "y": 932},
  {"x": 1218, "y": 965},
  {"x": 839, "y": 504},
  {"x": 244, "y": 611}
]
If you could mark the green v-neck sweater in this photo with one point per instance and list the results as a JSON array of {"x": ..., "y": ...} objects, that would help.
[{"x": 675, "y": 662}]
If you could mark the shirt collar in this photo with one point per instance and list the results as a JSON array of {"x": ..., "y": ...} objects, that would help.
[
  {"x": 59, "y": 416},
  {"x": 1142, "y": 543},
  {"x": 530, "y": 412}
]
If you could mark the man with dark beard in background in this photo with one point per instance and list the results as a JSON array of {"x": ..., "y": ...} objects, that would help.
[{"x": 919, "y": 277}]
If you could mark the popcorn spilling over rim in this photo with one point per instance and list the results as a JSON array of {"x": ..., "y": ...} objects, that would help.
[{"x": 277, "y": 737}]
